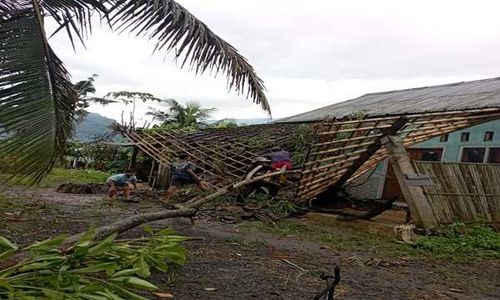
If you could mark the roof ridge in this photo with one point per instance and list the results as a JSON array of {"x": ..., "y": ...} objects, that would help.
[{"x": 430, "y": 86}]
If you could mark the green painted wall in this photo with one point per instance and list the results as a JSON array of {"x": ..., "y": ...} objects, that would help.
[{"x": 476, "y": 139}]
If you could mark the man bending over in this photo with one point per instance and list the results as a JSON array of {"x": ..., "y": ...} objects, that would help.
[
  {"x": 183, "y": 174},
  {"x": 121, "y": 181}
]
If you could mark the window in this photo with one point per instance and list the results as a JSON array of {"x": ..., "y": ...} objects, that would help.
[
  {"x": 488, "y": 136},
  {"x": 494, "y": 155},
  {"x": 465, "y": 137},
  {"x": 428, "y": 154},
  {"x": 474, "y": 155},
  {"x": 443, "y": 138},
  {"x": 431, "y": 155}
]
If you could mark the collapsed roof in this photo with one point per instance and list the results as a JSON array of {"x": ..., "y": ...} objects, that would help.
[{"x": 341, "y": 146}]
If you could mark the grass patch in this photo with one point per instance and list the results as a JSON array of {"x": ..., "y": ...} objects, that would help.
[
  {"x": 347, "y": 241},
  {"x": 245, "y": 243},
  {"x": 60, "y": 175},
  {"x": 457, "y": 242}
]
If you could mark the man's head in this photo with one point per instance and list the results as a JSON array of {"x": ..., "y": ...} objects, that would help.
[
  {"x": 276, "y": 148},
  {"x": 130, "y": 172},
  {"x": 183, "y": 156}
]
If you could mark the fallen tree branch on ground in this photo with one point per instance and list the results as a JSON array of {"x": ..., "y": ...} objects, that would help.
[{"x": 189, "y": 209}]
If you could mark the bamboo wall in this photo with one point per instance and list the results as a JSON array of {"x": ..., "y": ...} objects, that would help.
[{"x": 463, "y": 191}]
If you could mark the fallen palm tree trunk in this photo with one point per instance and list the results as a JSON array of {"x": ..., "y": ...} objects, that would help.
[{"x": 189, "y": 209}]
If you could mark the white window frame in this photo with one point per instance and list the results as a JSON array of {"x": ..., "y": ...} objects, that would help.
[{"x": 486, "y": 152}]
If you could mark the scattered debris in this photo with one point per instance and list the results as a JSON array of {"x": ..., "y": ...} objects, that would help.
[
  {"x": 210, "y": 289},
  {"x": 362, "y": 262},
  {"x": 294, "y": 265},
  {"x": 163, "y": 295},
  {"x": 405, "y": 233}
]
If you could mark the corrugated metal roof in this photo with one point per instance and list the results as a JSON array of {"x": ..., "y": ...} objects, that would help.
[{"x": 447, "y": 97}]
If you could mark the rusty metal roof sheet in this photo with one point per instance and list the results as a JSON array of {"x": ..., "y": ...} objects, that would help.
[{"x": 447, "y": 97}]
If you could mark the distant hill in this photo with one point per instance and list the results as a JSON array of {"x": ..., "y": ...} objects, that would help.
[
  {"x": 93, "y": 125},
  {"x": 252, "y": 121}
]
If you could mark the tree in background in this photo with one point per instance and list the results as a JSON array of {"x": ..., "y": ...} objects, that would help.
[
  {"x": 177, "y": 116},
  {"x": 85, "y": 90},
  {"x": 38, "y": 102},
  {"x": 225, "y": 123}
]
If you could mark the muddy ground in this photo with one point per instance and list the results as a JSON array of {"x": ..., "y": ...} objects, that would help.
[{"x": 245, "y": 261}]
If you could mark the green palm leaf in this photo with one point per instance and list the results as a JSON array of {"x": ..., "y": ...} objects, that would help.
[
  {"x": 37, "y": 99},
  {"x": 74, "y": 16},
  {"x": 171, "y": 25}
]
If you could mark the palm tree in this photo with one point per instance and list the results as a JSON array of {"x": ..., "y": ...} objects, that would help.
[
  {"x": 37, "y": 99},
  {"x": 182, "y": 116}
]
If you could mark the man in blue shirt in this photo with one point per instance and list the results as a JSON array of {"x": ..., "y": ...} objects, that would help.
[
  {"x": 121, "y": 181},
  {"x": 183, "y": 174}
]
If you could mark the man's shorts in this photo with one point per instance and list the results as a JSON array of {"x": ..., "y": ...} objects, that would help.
[
  {"x": 280, "y": 164},
  {"x": 180, "y": 181},
  {"x": 118, "y": 184}
]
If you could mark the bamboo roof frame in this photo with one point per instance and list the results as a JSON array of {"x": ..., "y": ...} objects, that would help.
[{"x": 342, "y": 149}]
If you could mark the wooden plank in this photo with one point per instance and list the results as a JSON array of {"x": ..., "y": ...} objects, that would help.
[{"x": 414, "y": 195}]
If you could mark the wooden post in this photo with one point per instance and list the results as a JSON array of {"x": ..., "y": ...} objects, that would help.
[
  {"x": 151, "y": 178},
  {"x": 133, "y": 160},
  {"x": 403, "y": 169},
  {"x": 162, "y": 177}
]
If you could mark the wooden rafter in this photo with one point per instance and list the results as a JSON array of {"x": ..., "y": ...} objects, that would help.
[{"x": 342, "y": 150}]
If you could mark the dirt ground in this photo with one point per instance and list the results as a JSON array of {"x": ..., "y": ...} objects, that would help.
[{"x": 242, "y": 261}]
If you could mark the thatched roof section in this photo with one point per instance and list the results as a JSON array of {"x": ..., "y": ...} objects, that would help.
[{"x": 447, "y": 97}]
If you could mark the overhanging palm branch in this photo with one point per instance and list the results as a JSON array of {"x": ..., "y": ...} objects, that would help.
[
  {"x": 171, "y": 25},
  {"x": 37, "y": 100}
]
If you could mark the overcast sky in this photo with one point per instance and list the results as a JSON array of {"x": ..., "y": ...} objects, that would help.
[{"x": 309, "y": 53}]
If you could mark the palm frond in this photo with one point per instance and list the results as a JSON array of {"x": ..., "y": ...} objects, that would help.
[
  {"x": 172, "y": 25},
  {"x": 74, "y": 16},
  {"x": 158, "y": 115},
  {"x": 8, "y": 5},
  {"x": 195, "y": 110},
  {"x": 36, "y": 97}
]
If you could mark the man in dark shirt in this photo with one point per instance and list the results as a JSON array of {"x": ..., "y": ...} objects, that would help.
[
  {"x": 183, "y": 174},
  {"x": 280, "y": 158}
]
